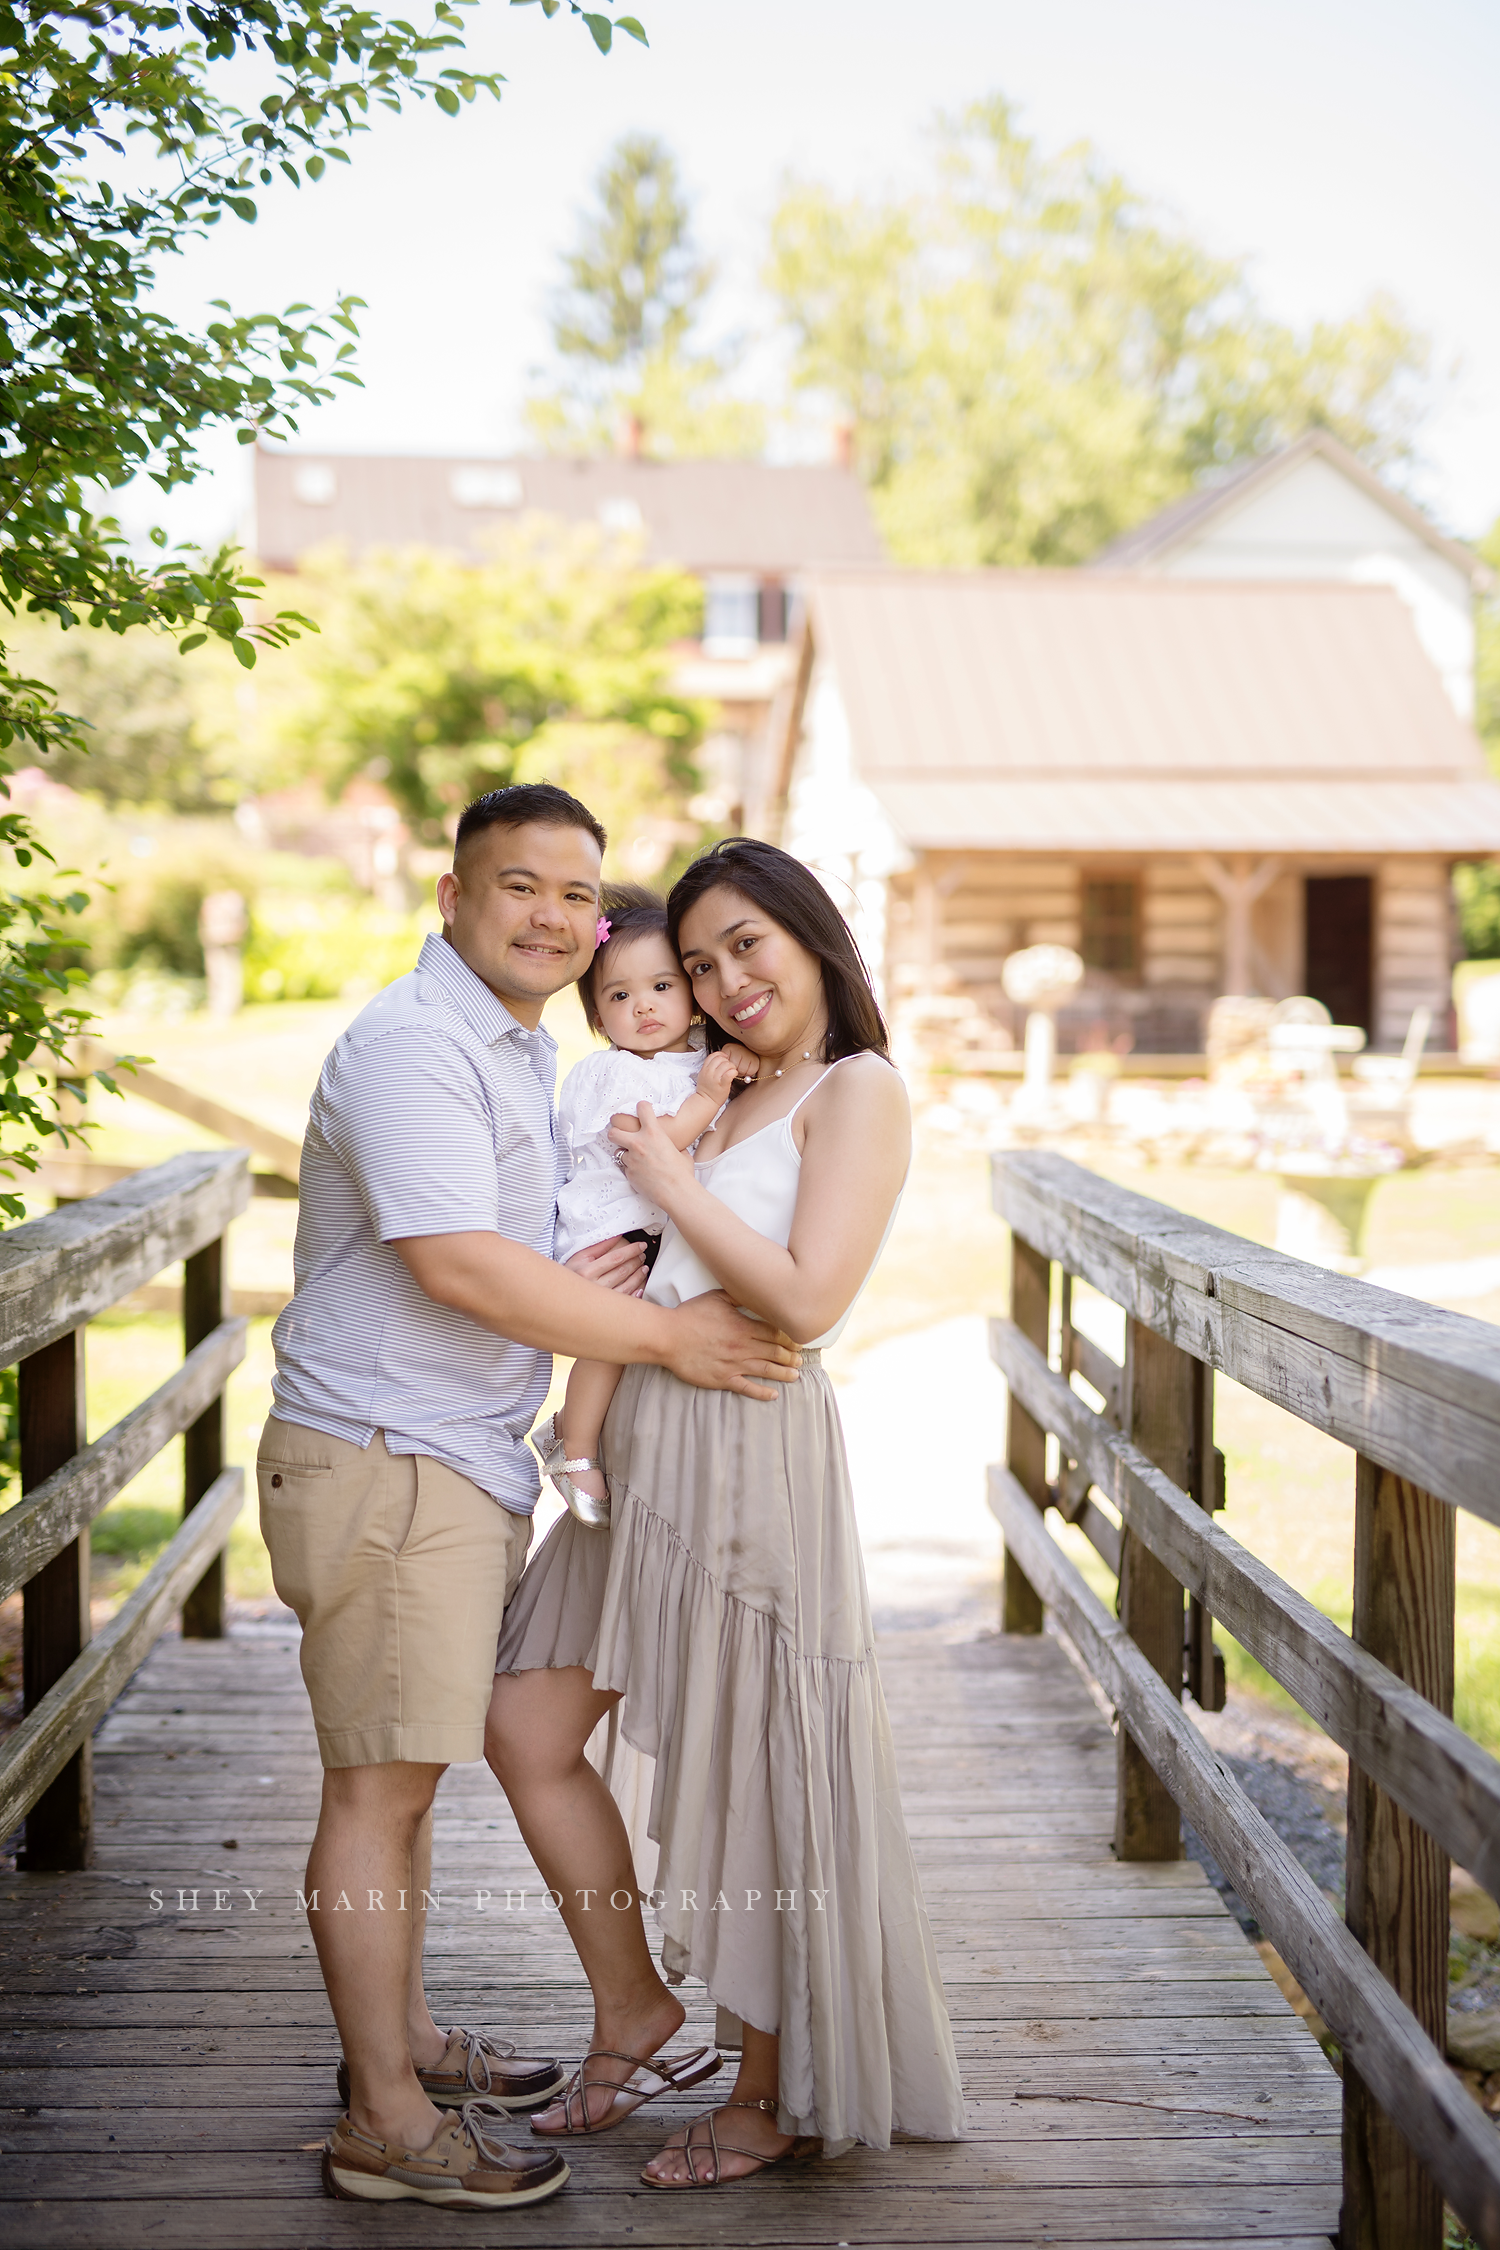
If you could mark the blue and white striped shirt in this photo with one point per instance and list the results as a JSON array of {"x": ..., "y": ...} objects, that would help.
[{"x": 433, "y": 1115}]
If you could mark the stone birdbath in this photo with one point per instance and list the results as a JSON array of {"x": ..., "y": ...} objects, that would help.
[
  {"x": 1040, "y": 978},
  {"x": 1324, "y": 1205}
]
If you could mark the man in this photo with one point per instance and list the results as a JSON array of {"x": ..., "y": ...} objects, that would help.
[{"x": 396, "y": 1486}]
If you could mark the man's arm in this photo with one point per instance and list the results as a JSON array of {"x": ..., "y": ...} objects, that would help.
[{"x": 515, "y": 1293}]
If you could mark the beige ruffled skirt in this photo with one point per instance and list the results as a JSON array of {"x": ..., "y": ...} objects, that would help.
[{"x": 727, "y": 1605}]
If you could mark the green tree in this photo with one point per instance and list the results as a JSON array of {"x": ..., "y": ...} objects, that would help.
[
  {"x": 162, "y": 735},
  {"x": 548, "y": 661},
  {"x": 119, "y": 144},
  {"x": 1487, "y": 652},
  {"x": 1032, "y": 360},
  {"x": 623, "y": 325},
  {"x": 1477, "y": 886}
]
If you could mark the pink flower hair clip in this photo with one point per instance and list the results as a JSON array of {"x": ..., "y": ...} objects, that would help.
[{"x": 601, "y": 931}]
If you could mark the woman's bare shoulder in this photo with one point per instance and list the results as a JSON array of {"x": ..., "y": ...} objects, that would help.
[{"x": 864, "y": 1085}]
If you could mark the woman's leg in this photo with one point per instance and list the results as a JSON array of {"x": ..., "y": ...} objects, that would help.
[
  {"x": 752, "y": 2129},
  {"x": 539, "y": 1723}
]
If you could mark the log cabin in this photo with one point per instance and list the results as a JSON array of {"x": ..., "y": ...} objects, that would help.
[
  {"x": 1234, "y": 757},
  {"x": 1202, "y": 786}
]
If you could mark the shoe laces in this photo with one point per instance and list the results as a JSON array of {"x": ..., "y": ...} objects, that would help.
[
  {"x": 483, "y": 2124},
  {"x": 478, "y": 2049}
]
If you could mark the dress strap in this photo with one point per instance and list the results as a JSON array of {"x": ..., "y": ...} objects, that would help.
[{"x": 812, "y": 1089}]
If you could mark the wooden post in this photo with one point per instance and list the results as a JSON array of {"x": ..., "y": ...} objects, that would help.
[
  {"x": 1203, "y": 1666},
  {"x": 1026, "y": 1440},
  {"x": 55, "y": 1603},
  {"x": 1164, "y": 1398},
  {"x": 203, "y": 1440},
  {"x": 1397, "y": 1876}
]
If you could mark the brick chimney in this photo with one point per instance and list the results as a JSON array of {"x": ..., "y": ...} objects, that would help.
[{"x": 630, "y": 435}]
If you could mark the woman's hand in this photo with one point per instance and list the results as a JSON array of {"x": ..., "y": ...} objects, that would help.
[{"x": 651, "y": 1162}]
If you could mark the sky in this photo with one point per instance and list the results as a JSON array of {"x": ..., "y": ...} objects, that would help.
[{"x": 1343, "y": 146}]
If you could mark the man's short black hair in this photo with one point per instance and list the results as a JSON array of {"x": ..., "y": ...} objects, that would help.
[{"x": 538, "y": 803}]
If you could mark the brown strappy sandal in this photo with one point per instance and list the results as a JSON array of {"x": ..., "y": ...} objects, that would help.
[
  {"x": 673, "y": 2075},
  {"x": 805, "y": 2145}
]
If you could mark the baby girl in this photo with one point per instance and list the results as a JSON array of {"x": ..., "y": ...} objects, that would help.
[{"x": 635, "y": 995}]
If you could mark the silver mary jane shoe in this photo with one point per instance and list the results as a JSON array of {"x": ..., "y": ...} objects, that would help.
[{"x": 591, "y": 1513}]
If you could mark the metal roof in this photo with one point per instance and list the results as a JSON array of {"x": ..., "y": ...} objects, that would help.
[
  {"x": 1046, "y": 710},
  {"x": 704, "y": 515}
]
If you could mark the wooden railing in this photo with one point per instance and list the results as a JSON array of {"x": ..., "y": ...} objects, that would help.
[
  {"x": 1416, "y": 1393},
  {"x": 56, "y": 1274}
]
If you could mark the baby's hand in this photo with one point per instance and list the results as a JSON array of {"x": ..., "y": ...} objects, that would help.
[{"x": 720, "y": 1071}]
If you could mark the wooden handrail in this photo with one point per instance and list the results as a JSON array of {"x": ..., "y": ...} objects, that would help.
[
  {"x": 1427, "y": 1764},
  {"x": 56, "y": 1273},
  {"x": 154, "y": 1086},
  {"x": 1375, "y": 2029},
  {"x": 1409, "y": 1386},
  {"x": 1416, "y": 1393},
  {"x": 38, "y": 1527},
  {"x": 68, "y": 1713}
]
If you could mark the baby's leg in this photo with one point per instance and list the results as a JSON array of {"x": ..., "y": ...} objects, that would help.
[{"x": 591, "y": 1386}]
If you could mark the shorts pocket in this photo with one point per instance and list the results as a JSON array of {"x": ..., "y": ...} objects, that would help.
[{"x": 275, "y": 1475}]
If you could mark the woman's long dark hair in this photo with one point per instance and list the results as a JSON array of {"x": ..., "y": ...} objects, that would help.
[{"x": 793, "y": 897}]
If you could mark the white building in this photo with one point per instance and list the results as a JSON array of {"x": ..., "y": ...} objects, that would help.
[{"x": 1313, "y": 511}]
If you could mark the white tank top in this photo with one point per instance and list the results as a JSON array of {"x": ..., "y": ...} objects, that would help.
[{"x": 758, "y": 1179}]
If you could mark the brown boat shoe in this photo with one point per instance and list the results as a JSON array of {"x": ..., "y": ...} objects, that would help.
[
  {"x": 466, "y": 2167},
  {"x": 474, "y": 2064}
]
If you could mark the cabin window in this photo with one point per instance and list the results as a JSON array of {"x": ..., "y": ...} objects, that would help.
[{"x": 1111, "y": 925}]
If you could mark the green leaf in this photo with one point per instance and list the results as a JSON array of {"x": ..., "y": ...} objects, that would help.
[
  {"x": 447, "y": 100},
  {"x": 631, "y": 24},
  {"x": 244, "y": 650},
  {"x": 603, "y": 31},
  {"x": 194, "y": 640}
]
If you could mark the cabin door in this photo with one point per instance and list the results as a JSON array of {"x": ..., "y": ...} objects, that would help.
[{"x": 1340, "y": 924}]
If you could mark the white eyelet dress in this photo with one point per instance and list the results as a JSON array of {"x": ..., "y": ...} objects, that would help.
[{"x": 728, "y": 1606}]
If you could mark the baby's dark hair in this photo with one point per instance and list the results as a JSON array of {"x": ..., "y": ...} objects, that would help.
[{"x": 631, "y": 912}]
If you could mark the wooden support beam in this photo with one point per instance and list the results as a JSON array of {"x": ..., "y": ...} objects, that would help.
[
  {"x": 1203, "y": 1666},
  {"x": 203, "y": 1308},
  {"x": 1397, "y": 1876},
  {"x": 55, "y": 1606},
  {"x": 1025, "y": 1439},
  {"x": 1163, "y": 1396}
]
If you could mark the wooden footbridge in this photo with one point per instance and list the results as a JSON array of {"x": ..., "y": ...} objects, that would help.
[{"x": 1134, "y": 2076}]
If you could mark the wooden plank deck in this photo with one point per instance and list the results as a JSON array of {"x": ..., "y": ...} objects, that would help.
[{"x": 1133, "y": 2074}]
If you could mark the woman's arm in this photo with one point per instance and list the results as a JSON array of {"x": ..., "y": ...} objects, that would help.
[{"x": 855, "y": 1152}]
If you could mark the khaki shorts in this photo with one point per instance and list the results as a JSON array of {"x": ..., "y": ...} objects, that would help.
[{"x": 399, "y": 1571}]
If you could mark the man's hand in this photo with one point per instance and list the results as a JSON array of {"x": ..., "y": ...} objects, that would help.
[
  {"x": 615, "y": 1264},
  {"x": 721, "y": 1350}
]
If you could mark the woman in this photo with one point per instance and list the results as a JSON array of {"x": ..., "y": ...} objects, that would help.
[{"x": 727, "y": 1604}]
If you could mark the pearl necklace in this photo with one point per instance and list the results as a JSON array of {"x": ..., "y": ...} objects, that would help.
[{"x": 806, "y": 1057}]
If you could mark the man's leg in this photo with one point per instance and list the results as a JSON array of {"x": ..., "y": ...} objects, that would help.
[
  {"x": 427, "y": 2043},
  {"x": 364, "y": 1852}
]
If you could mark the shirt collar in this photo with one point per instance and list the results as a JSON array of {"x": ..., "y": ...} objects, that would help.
[{"x": 473, "y": 999}]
